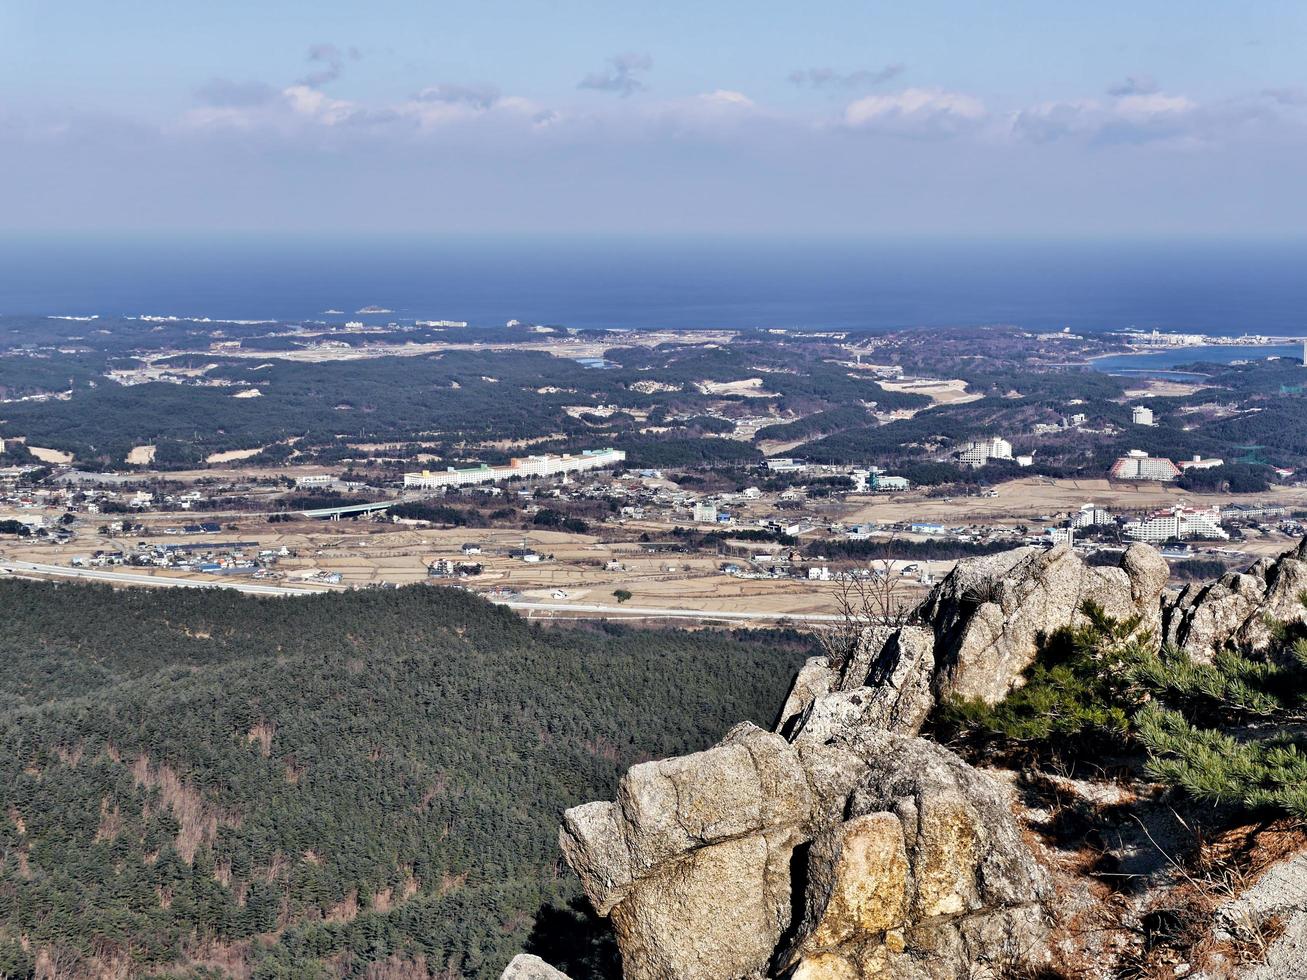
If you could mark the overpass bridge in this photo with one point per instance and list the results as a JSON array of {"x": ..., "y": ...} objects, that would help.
[{"x": 351, "y": 510}]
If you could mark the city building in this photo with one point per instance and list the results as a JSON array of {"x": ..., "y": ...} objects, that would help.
[
  {"x": 1138, "y": 465},
  {"x": 1198, "y": 463},
  {"x": 1089, "y": 516},
  {"x": 1061, "y": 535},
  {"x": 525, "y": 466},
  {"x": 786, "y": 466},
  {"x": 704, "y": 512},
  {"x": 1142, "y": 415},
  {"x": 886, "y": 484},
  {"x": 2, "y": 447},
  {"x": 315, "y": 480},
  {"x": 1178, "y": 523},
  {"x": 980, "y": 452}
]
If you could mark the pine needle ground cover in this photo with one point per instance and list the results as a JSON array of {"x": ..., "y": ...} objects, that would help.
[{"x": 1229, "y": 733}]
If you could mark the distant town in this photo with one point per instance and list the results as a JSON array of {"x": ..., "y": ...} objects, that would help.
[{"x": 710, "y": 474}]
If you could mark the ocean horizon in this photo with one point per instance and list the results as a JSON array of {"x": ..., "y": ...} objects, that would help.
[{"x": 683, "y": 283}]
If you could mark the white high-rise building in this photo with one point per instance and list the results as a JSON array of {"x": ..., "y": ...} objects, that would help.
[
  {"x": 1138, "y": 465},
  {"x": 1142, "y": 415},
  {"x": 1090, "y": 515},
  {"x": 981, "y": 451},
  {"x": 1178, "y": 523}
]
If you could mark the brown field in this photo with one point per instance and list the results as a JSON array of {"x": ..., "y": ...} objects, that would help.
[
  {"x": 1028, "y": 499},
  {"x": 367, "y": 552}
]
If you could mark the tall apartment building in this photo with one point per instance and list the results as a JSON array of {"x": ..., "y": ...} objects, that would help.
[
  {"x": 1089, "y": 515},
  {"x": 1142, "y": 415},
  {"x": 1178, "y": 523},
  {"x": 980, "y": 452},
  {"x": 1138, "y": 465}
]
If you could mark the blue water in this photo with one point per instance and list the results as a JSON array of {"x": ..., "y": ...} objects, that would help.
[
  {"x": 1161, "y": 363},
  {"x": 701, "y": 282}
]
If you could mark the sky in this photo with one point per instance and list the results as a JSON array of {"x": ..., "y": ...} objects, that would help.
[{"x": 738, "y": 117}]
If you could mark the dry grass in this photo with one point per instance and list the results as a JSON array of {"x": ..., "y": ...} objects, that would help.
[
  {"x": 197, "y": 818},
  {"x": 262, "y": 733}
]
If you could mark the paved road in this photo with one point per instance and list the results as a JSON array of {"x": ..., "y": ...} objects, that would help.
[
  {"x": 29, "y": 569},
  {"x": 657, "y": 612}
]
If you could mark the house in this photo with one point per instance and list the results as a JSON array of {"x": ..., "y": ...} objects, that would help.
[
  {"x": 524, "y": 554},
  {"x": 471, "y": 549}
]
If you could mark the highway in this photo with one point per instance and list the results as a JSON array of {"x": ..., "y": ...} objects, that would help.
[{"x": 27, "y": 569}]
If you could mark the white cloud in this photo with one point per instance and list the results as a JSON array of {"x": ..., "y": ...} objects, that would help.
[
  {"x": 726, "y": 98},
  {"x": 1151, "y": 103},
  {"x": 304, "y": 100},
  {"x": 916, "y": 111}
]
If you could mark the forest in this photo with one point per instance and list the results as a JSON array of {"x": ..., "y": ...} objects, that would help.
[
  {"x": 309, "y": 787},
  {"x": 656, "y": 402}
]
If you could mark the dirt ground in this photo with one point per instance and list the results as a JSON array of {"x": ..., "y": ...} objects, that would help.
[{"x": 951, "y": 392}]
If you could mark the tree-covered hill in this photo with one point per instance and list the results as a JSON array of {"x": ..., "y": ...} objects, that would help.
[{"x": 202, "y": 783}]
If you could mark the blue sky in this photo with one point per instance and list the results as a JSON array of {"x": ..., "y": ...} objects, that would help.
[{"x": 923, "y": 117}]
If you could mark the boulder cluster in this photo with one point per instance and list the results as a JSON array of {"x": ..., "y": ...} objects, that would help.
[{"x": 844, "y": 846}]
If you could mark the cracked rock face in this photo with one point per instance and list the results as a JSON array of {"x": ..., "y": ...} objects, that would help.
[
  {"x": 854, "y": 856},
  {"x": 843, "y": 847},
  {"x": 1238, "y": 609},
  {"x": 527, "y": 967},
  {"x": 989, "y": 614}
]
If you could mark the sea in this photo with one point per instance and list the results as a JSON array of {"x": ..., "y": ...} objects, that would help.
[{"x": 1229, "y": 287}]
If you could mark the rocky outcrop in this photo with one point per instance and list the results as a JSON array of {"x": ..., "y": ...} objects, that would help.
[
  {"x": 990, "y": 614},
  {"x": 841, "y": 846},
  {"x": 1240, "y": 609},
  {"x": 868, "y": 854},
  {"x": 975, "y": 634},
  {"x": 887, "y": 684},
  {"x": 527, "y": 967}
]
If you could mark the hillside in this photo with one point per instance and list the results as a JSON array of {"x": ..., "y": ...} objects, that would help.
[
  {"x": 1048, "y": 769},
  {"x": 363, "y": 784}
]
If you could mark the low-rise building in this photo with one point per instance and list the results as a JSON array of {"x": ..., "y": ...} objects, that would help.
[
  {"x": 315, "y": 480},
  {"x": 885, "y": 483},
  {"x": 786, "y": 466},
  {"x": 525, "y": 466},
  {"x": 1198, "y": 463},
  {"x": 1061, "y": 535},
  {"x": 704, "y": 512}
]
